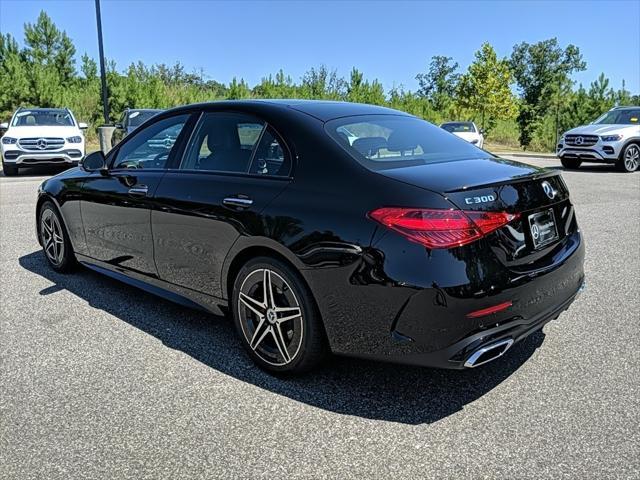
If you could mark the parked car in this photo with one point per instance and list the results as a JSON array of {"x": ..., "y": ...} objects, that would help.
[
  {"x": 465, "y": 130},
  {"x": 131, "y": 119},
  {"x": 41, "y": 136},
  {"x": 613, "y": 138},
  {"x": 407, "y": 244}
]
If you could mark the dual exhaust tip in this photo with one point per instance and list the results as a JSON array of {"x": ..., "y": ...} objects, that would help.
[{"x": 490, "y": 352}]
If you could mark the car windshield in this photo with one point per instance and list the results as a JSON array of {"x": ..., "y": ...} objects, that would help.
[
  {"x": 620, "y": 117},
  {"x": 459, "y": 127},
  {"x": 387, "y": 141},
  {"x": 138, "y": 117},
  {"x": 42, "y": 117}
]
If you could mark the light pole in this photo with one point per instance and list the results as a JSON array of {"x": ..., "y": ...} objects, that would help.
[
  {"x": 106, "y": 131},
  {"x": 103, "y": 76}
]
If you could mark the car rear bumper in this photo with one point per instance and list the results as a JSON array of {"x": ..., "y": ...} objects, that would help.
[
  {"x": 405, "y": 305},
  {"x": 458, "y": 355}
]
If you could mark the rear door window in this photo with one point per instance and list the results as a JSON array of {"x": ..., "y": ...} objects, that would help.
[{"x": 223, "y": 142}]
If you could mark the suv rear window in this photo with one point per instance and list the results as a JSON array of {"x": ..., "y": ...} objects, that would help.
[{"x": 384, "y": 141}]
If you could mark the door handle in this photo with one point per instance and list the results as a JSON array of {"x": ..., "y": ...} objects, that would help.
[
  {"x": 240, "y": 202},
  {"x": 139, "y": 191}
]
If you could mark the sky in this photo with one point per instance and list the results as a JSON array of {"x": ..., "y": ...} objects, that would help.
[{"x": 390, "y": 41}]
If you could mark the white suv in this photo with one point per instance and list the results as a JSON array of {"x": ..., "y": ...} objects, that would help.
[
  {"x": 41, "y": 136},
  {"x": 612, "y": 138}
]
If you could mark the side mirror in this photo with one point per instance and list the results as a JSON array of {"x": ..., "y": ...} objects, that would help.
[
  {"x": 82, "y": 126},
  {"x": 4, "y": 126},
  {"x": 95, "y": 162},
  {"x": 481, "y": 131}
]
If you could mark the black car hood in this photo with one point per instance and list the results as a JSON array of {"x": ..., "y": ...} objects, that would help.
[{"x": 450, "y": 176}]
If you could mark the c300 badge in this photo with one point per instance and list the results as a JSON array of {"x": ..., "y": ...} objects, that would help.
[{"x": 480, "y": 199}]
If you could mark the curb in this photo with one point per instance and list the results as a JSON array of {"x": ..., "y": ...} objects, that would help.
[{"x": 549, "y": 156}]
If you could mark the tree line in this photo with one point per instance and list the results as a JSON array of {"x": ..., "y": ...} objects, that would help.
[{"x": 524, "y": 99}]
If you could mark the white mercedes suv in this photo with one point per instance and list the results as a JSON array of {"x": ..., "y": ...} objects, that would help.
[
  {"x": 41, "y": 136},
  {"x": 612, "y": 138}
]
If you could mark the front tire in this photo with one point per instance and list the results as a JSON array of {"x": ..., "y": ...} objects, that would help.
[
  {"x": 629, "y": 160},
  {"x": 276, "y": 317},
  {"x": 54, "y": 238},
  {"x": 9, "y": 170},
  {"x": 570, "y": 163}
]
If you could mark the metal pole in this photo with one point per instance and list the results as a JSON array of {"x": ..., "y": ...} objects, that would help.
[{"x": 103, "y": 77}]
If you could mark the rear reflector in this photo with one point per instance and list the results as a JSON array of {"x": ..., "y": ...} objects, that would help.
[
  {"x": 441, "y": 228},
  {"x": 488, "y": 311}
]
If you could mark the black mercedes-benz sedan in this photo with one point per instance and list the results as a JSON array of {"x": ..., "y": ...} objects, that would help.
[{"x": 324, "y": 227}]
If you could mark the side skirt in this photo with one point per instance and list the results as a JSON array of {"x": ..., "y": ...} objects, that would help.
[{"x": 174, "y": 293}]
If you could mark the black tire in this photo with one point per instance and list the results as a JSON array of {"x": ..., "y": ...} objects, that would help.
[
  {"x": 570, "y": 163},
  {"x": 302, "y": 337},
  {"x": 62, "y": 251},
  {"x": 629, "y": 160},
  {"x": 9, "y": 170}
]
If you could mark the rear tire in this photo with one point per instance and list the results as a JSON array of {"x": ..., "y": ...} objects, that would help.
[
  {"x": 282, "y": 331},
  {"x": 9, "y": 170},
  {"x": 55, "y": 239},
  {"x": 570, "y": 163},
  {"x": 629, "y": 160}
]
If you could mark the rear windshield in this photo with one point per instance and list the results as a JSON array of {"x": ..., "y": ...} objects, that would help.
[
  {"x": 385, "y": 141},
  {"x": 138, "y": 117},
  {"x": 459, "y": 127},
  {"x": 49, "y": 117}
]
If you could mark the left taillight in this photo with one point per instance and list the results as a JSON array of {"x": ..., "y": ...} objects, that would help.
[{"x": 436, "y": 228}]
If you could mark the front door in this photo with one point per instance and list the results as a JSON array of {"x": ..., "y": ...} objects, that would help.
[{"x": 116, "y": 207}]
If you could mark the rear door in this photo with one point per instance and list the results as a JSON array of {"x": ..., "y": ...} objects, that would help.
[
  {"x": 116, "y": 207},
  {"x": 234, "y": 165}
]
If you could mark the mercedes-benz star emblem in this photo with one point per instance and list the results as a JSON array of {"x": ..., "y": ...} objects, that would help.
[
  {"x": 535, "y": 231},
  {"x": 41, "y": 143},
  {"x": 549, "y": 190},
  {"x": 579, "y": 141}
]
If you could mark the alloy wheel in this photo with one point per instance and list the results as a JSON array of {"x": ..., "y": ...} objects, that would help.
[
  {"x": 632, "y": 158},
  {"x": 270, "y": 317},
  {"x": 52, "y": 236}
]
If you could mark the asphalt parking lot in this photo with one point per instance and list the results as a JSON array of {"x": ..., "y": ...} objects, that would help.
[{"x": 100, "y": 380}]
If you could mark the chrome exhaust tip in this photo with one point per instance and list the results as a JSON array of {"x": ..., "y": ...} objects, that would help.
[{"x": 490, "y": 352}]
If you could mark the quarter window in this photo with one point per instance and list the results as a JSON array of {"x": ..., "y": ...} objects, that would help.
[
  {"x": 151, "y": 147},
  {"x": 270, "y": 157}
]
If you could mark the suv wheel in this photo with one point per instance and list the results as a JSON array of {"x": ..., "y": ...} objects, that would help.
[
  {"x": 55, "y": 241},
  {"x": 629, "y": 160},
  {"x": 570, "y": 163},
  {"x": 276, "y": 317},
  {"x": 9, "y": 170}
]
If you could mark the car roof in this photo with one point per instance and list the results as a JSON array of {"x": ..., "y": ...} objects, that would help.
[
  {"x": 144, "y": 109},
  {"x": 42, "y": 109},
  {"x": 323, "y": 110}
]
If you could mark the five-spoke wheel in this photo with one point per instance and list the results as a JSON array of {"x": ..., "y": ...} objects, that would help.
[
  {"x": 53, "y": 237},
  {"x": 276, "y": 317}
]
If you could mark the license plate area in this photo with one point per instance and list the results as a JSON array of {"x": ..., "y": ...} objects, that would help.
[{"x": 543, "y": 228}]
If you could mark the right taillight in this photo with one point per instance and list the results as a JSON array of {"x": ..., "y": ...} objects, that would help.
[{"x": 436, "y": 228}]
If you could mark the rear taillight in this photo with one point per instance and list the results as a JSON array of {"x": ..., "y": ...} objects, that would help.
[{"x": 441, "y": 228}]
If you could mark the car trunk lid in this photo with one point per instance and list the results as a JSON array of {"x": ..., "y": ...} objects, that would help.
[{"x": 538, "y": 196}]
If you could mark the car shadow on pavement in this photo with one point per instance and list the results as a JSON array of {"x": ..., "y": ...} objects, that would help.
[
  {"x": 367, "y": 389},
  {"x": 40, "y": 171}
]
